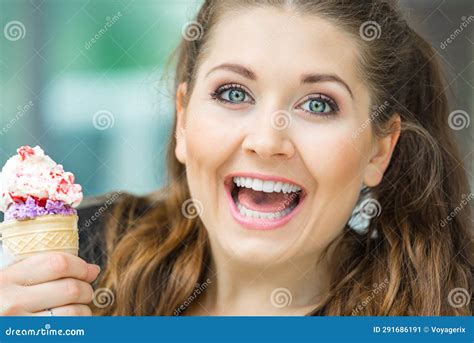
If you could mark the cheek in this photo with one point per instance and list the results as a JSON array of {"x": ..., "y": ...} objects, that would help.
[
  {"x": 210, "y": 138},
  {"x": 333, "y": 157},
  {"x": 336, "y": 161}
]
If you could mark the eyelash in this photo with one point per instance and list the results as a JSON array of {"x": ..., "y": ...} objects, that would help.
[
  {"x": 324, "y": 98},
  {"x": 216, "y": 95}
]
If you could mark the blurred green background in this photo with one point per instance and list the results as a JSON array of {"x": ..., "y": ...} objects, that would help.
[{"x": 84, "y": 80}]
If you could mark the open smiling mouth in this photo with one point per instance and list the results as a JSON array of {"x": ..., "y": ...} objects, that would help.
[{"x": 263, "y": 202}]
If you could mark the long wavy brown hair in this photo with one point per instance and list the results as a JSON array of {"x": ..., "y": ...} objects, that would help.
[{"x": 423, "y": 254}]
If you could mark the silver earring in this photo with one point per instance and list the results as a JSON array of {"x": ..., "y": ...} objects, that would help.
[{"x": 367, "y": 208}]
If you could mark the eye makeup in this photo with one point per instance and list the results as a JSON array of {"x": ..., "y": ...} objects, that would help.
[{"x": 235, "y": 94}]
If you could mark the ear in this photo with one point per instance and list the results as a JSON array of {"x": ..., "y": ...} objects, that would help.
[
  {"x": 382, "y": 153},
  {"x": 180, "y": 133}
]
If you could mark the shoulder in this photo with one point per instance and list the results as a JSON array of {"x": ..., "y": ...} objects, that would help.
[{"x": 98, "y": 214}]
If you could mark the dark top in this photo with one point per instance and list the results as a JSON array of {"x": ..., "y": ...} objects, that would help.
[{"x": 93, "y": 214}]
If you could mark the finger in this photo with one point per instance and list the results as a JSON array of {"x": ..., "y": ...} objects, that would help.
[
  {"x": 55, "y": 294},
  {"x": 46, "y": 267},
  {"x": 68, "y": 310}
]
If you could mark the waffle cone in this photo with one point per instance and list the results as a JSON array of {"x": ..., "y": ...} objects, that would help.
[{"x": 24, "y": 238}]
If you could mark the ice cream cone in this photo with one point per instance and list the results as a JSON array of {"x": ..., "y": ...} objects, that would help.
[
  {"x": 24, "y": 238},
  {"x": 38, "y": 199}
]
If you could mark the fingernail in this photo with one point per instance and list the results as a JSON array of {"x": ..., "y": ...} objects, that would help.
[{"x": 98, "y": 268}]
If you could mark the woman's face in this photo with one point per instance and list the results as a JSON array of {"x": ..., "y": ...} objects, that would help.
[{"x": 277, "y": 100}]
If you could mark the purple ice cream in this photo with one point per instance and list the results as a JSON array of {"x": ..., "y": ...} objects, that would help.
[{"x": 30, "y": 209}]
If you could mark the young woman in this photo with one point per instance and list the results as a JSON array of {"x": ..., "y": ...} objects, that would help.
[{"x": 312, "y": 171}]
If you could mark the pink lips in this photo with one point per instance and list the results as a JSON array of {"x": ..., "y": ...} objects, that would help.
[{"x": 259, "y": 223}]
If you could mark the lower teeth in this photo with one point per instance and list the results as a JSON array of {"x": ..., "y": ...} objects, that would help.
[{"x": 263, "y": 215}]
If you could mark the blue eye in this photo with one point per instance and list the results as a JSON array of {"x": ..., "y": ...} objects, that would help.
[
  {"x": 234, "y": 94},
  {"x": 320, "y": 105}
]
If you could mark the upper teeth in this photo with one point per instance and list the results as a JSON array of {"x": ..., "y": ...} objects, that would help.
[{"x": 265, "y": 186}]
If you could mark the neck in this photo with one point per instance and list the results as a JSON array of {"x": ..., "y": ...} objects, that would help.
[{"x": 290, "y": 288}]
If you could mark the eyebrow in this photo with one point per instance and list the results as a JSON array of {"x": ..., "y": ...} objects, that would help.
[
  {"x": 305, "y": 79},
  {"x": 236, "y": 68},
  {"x": 315, "y": 78}
]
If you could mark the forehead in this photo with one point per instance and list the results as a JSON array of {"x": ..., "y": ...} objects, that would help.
[{"x": 282, "y": 43}]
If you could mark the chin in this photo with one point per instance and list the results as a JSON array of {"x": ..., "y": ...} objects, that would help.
[{"x": 257, "y": 248}]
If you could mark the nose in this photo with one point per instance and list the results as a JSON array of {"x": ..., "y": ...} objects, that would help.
[{"x": 269, "y": 137}]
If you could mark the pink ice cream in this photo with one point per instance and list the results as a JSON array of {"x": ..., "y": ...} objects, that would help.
[{"x": 32, "y": 185}]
